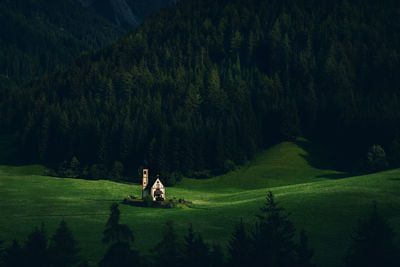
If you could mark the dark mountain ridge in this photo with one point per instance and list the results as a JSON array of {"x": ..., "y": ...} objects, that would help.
[{"x": 126, "y": 13}]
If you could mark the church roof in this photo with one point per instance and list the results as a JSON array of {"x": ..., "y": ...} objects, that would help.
[{"x": 157, "y": 184}]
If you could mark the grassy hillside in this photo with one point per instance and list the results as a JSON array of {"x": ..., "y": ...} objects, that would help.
[{"x": 321, "y": 202}]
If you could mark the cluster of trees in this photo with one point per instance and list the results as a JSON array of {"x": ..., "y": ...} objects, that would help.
[
  {"x": 271, "y": 241},
  {"x": 203, "y": 85},
  {"x": 74, "y": 169},
  {"x": 62, "y": 250}
]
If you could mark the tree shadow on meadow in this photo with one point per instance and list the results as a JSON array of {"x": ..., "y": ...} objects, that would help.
[
  {"x": 321, "y": 157},
  {"x": 335, "y": 175}
]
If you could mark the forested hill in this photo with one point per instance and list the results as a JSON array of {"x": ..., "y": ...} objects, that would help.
[
  {"x": 205, "y": 84},
  {"x": 38, "y": 35}
]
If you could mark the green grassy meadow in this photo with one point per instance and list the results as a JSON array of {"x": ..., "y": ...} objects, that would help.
[{"x": 325, "y": 203}]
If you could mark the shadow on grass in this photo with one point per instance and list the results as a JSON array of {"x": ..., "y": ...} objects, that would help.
[
  {"x": 335, "y": 175},
  {"x": 395, "y": 179},
  {"x": 321, "y": 157},
  {"x": 317, "y": 156}
]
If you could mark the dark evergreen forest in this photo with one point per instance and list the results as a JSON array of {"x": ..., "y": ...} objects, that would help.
[
  {"x": 38, "y": 35},
  {"x": 205, "y": 84}
]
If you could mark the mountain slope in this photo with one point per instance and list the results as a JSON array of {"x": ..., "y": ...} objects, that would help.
[{"x": 126, "y": 13}]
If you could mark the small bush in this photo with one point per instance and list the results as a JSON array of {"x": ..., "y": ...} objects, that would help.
[
  {"x": 62, "y": 169},
  {"x": 74, "y": 167},
  {"x": 376, "y": 158},
  {"x": 171, "y": 204}
]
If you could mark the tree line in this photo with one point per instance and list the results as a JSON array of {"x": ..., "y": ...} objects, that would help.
[
  {"x": 203, "y": 85},
  {"x": 271, "y": 241}
]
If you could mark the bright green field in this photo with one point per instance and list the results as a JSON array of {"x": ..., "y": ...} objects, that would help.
[{"x": 321, "y": 201}]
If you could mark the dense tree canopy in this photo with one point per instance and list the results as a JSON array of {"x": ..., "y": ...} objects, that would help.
[
  {"x": 205, "y": 84},
  {"x": 38, "y": 35}
]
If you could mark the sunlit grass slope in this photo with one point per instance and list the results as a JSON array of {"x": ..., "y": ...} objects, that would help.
[
  {"x": 326, "y": 206},
  {"x": 284, "y": 164}
]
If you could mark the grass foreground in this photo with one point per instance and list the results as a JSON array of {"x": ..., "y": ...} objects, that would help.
[{"x": 325, "y": 203}]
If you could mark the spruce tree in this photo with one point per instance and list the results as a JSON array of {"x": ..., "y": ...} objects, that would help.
[
  {"x": 120, "y": 254},
  {"x": 35, "y": 248},
  {"x": 120, "y": 236},
  {"x": 373, "y": 243},
  {"x": 195, "y": 251},
  {"x": 239, "y": 246},
  {"x": 116, "y": 232},
  {"x": 274, "y": 243},
  {"x": 63, "y": 247},
  {"x": 167, "y": 251},
  {"x": 304, "y": 254}
]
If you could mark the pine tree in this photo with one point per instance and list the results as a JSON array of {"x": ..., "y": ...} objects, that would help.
[
  {"x": 74, "y": 167},
  {"x": 239, "y": 246},
  {"x": 188, "y": 252},
  {"x": 373, "y": 243},
  {"x": 274, "y": 243},
  {"x": 304, "y": 254},
  {"x": 120, "y": 254},
  {"x": 195, "y": 251},
  {"x": 167, "y": 251},
  {"x": 35, "y": 248},
  {"x": 116, "y": 232},
  {"x": 44, "y": 138},
  {"x": 120, "y": 236},
  {"x": 63, "y": 248}
]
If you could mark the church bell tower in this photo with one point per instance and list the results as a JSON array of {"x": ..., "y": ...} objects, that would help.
[{"x": 145, "y": 181}]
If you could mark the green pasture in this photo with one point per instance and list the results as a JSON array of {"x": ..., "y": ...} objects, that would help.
[{"x": 325, "y": 203}]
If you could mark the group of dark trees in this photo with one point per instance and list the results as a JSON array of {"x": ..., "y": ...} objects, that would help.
[
  {"x": 62, "y": 250},
  {"x": 271, "y": 241},
  {"x": 205, "y": 84}
]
